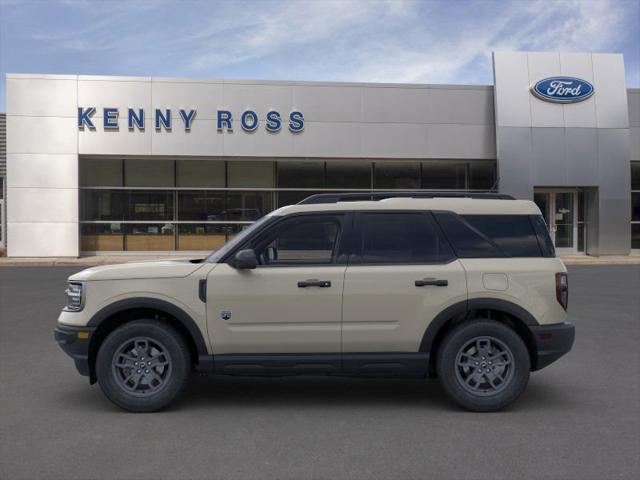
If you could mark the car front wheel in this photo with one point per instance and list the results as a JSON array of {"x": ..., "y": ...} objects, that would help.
[
  {"x": 143, "y": 365},
  {"x": 483, "y": 365}
]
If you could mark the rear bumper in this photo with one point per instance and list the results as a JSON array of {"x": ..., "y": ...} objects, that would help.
[
  {"x": 552, "y": 342},
  {"x": 75, "y": 343}
]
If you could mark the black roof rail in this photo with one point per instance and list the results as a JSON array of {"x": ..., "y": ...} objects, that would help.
[{"x": 360, "y": 196}]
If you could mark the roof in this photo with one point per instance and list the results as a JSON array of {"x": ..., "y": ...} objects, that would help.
[
  {"x": 381, "y": 195},
  {"x": 457, "y": 205}
]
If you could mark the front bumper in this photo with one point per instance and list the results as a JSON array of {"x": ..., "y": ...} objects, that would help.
[
  {"x": 75, "y": 343},
  {"x": 552, "y": 342}
]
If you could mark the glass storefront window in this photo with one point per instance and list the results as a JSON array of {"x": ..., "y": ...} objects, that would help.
[
  {"x": 101, "y": 172},
  {"x": 482, "y": 176},
  {"x": 150, "y": 205},
  {"x": 210, "y": 193},
  {"x": 635, "y": 206},
  {"x": 397, "y": 175},
  {"x": 101, "y": 237},
  {"x": 149, "y": 173},
  {"x": 355, "y": 174},
  {"x": 258, "y": 174},
  {"x": 300, "y": 174},
  {"x": 126, "y": 205},
  {"x": 635, "y": 236},
  {"x": 248, "y": 206},
  {"x": 148, "y": 237},
  {"x": 200, "y": 205},
  {"x": 204, "y": 236},
  {"x": 635, "y": 175},
  {"x": 444, "y": 175},
  {"x": 103, "y": 205},
  {"x": 291, "y": 198},
  {"x": 200, "y": 173}
]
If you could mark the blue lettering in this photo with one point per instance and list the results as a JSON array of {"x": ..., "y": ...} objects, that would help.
[
  {"x": 163, "y": 120},
  {"x": 296, "y": 121},
  {"x": 225, "y": 120},
  {"x": 249, "y": 120},
  {"x": 84, "y": 117},
  {"x": 274, "y": 123},
  {"x": 136, "y": 119},
  {"x": 187, "y": 118},
  {"x": 110, "y": 116}
]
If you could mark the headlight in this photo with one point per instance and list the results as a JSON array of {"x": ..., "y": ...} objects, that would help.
[{"x": 75, "y": 297}]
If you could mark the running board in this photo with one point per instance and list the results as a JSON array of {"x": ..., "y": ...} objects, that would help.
[{"x": 386, "y": 364}]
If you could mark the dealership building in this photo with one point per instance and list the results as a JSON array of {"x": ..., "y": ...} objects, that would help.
[{"x": 104, "y": 165}]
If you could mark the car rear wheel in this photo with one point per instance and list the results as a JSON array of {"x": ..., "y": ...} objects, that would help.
[
  {"x": 483, "y": 365},
  {"x": 143, "y": 365}
]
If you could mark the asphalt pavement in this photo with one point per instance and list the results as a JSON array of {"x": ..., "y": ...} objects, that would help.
[{"x": 578, "y": 419}]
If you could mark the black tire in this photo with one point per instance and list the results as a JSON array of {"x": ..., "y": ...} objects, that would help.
[
  {"x": 483, "y": 365},
  {"x": 121, "y": 365}
]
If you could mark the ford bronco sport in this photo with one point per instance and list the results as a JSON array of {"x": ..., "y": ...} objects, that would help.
[{"x": 464, "y": 287}]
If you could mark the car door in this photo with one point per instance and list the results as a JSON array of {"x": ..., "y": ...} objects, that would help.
[
  {"x": 402, "y": 272},
  {"x": 291, "y": 303}
]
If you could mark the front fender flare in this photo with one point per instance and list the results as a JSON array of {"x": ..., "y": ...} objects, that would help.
[{"x": 156, "y": 304}]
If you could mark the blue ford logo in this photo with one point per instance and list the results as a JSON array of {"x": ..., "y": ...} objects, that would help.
[{"x": 562, "y": 89}]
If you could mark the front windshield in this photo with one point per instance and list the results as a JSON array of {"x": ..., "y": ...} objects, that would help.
[{"x": 216, "y": 255}]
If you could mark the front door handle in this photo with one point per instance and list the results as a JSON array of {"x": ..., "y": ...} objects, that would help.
[
  {"x": 314, "y": 283},
  {"x": 427, "y": 282}
]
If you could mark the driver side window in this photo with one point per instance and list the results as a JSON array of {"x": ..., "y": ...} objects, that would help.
[{"x": 303, "y": 240}]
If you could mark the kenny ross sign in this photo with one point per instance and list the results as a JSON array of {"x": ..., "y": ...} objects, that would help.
[{"x": 249, "y": 120}]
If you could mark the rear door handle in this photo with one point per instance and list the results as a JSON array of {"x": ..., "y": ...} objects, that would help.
[
  {"x": 314, "y": 283},
  {"x": 428, "y": 282}
]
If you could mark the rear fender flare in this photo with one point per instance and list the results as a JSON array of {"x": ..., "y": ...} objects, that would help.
[{"x": 460, "y": 309}]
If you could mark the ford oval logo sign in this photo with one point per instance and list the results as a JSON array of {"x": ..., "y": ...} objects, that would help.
[{"x": 562, "y": 89}]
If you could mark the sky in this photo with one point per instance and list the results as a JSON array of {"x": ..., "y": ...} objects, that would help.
[{"x": 403, "y": 41}]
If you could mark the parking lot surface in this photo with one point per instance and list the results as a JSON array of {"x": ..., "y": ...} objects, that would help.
[{"x": 578, "y": 419}]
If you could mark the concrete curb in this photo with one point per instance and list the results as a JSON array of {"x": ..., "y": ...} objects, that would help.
[{"x": 614, "y": 260}]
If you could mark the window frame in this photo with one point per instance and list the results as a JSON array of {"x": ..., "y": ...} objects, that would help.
[
  {"x": 357, "y": 230},
  {"x": 339, "y": 258}
]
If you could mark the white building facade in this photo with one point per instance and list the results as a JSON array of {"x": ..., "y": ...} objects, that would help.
[{"x": 133, "y": 164}]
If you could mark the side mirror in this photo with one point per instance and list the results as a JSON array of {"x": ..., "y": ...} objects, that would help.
[{"x": 245, "y": 260}]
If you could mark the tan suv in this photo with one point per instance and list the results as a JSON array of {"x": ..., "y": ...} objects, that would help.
[{"x": 465, "y": 287}]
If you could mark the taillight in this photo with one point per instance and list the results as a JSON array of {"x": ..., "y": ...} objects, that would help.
[{"x": 562, "y": 289}]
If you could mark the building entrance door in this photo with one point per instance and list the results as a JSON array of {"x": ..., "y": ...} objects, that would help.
[
  {"x": 2, "y": 240},
  {"x": 563, "y": 210}
]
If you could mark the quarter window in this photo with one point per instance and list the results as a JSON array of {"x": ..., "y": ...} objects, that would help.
[
  {"x": 486, "y": 236},
  {"x": 514, "y": 234},
  {"x": 399, "y": 238},
  {"x": 467, "y": 241}
]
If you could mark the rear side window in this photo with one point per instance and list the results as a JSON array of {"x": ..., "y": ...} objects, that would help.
[
  {"x": 399, "y": 238},
  {"x": 467, "y": 241},
  {"x": 513, "y": 234}
]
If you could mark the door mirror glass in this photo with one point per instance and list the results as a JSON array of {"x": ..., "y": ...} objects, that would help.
[{"x": 245, "y": 260}]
